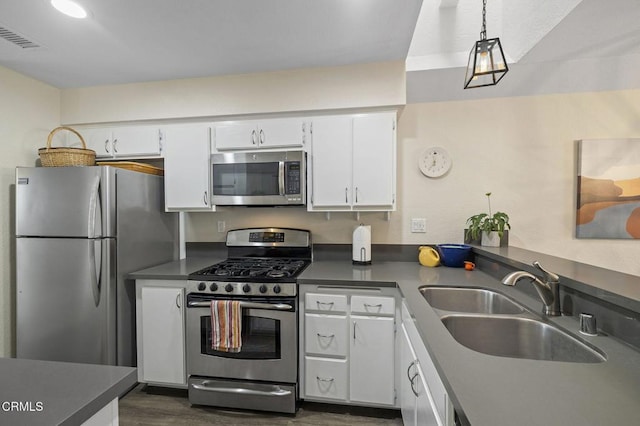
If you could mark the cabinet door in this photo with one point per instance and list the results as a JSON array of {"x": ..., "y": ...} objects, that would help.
[
  {"x": 136, "y": 141},
  {"x": 374, "y": 160},
  {"x": 186, "y": 167},
  {"x": 236, "y": 135},
  {"x": 281, "y": 132},
  {"x": 99, "y": 140},
  {"x": 372, "y": 369},
  {"x": 162, "y": 335},
  {"x": 408, "y": 371},
  {"x": 425, "y": 410},
  {"x": 331, "y": 162}
]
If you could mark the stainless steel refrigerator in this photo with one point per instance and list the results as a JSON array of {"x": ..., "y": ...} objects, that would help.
[{"x": 79, "y": 232}]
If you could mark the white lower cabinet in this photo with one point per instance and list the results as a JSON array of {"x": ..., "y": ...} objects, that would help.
[
  {"x": 348, "y": 345},
  {"x": 326, "y": 335},
  {"x": 423, "y": 398},
  {"x": 372, "y": 372},
  {"x": 160, "y": 326},
  {"x": 326, "y": 378}
]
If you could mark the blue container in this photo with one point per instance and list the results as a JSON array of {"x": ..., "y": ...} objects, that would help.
[{"x": 453, "y": 255}]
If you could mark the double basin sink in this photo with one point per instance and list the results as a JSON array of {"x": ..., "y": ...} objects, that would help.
[{"x": 491, "y": 323}]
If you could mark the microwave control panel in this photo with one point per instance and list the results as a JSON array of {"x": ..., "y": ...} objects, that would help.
[{"x": 292, "y": 177}]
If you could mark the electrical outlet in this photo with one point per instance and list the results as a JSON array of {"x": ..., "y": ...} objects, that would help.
[
  {"x": 221, "y": 226},
  {"x": 418, "y": 225}
]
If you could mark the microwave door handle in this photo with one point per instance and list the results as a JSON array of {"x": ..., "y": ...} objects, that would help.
[{"x": 281, "y": 177}]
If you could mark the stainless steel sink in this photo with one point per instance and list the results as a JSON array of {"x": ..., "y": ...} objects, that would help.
[
  {"x": 518, "y": 337},
  {"x": 470, "y": 300}
]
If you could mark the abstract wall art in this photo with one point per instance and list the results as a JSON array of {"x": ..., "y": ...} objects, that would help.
[{"x": 608, "y": 189}]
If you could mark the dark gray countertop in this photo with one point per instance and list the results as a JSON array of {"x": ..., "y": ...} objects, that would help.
[
  {"x": 176, "y": 270},
  {"x": 495, "y": 391},
  {"x": 490, "y": 390},
  {"x": 67, "y": 393}
]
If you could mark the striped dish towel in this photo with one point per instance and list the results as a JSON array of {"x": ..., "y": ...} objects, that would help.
[{"x": 226, "y": 325}]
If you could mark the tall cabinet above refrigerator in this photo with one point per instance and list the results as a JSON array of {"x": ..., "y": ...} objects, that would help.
[{"x": 79, "y": 232}]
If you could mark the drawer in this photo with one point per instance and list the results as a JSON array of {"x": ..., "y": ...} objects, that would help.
[
  {"x": 326, "y": 334},
  {"x": 373, "y": 305},
  {"x": 326, "y": 302},
  {"x": 326, "y": 378}
]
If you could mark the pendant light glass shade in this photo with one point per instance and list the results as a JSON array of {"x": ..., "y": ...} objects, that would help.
[{"x": 487, "y": 64}]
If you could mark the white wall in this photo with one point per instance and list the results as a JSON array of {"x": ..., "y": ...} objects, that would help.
[
  {"x": 520, "y": 149},
  {"x": 29, "y": 110}
]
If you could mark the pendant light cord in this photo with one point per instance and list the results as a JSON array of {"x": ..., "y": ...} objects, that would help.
[{"x": 483, "y": 32}]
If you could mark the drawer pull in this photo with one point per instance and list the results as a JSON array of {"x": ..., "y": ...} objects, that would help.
[
  {"x": 330, "y": 304},
  {"x": 326, "y": 336},
  {"x": 367, "y": 305},
  {"x": 321, "y": 379}
]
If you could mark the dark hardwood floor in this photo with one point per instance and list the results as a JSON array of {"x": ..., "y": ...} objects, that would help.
[{"x": 154, "y": 406}]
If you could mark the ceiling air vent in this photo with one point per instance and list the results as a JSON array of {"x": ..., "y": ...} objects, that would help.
[{"x": 17, "y": 39}]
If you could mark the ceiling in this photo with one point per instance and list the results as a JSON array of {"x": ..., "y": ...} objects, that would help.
[{"x": 126, "y": 41}]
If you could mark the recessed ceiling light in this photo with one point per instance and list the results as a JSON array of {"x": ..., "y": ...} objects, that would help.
[{"x": 69, "y": 8}]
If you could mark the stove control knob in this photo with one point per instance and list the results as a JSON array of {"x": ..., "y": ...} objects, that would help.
[
  {"x": 276, "y": 289},
  {"x": 246, "y": 288},
  {"x": 263, "y": 288},
  {"x": 213, "y": 287},
  {"x": 202, "y": 286},
  {"x": 228, "y": 288}
]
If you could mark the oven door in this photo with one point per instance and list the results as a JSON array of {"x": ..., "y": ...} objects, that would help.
[{"x": 269, "y": 349}]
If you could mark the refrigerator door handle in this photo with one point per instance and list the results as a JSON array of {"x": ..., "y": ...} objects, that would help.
[
  {"x": 95, "y": 263},
  {"x": 94, "y": 199}
]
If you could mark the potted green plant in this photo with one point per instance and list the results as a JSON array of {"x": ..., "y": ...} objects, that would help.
[{"x": 489, "y": 229}]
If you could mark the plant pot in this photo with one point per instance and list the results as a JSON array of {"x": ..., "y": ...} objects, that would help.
[
  {"x": 468, "y": 240},
  {"x": 493, "y": 239}
]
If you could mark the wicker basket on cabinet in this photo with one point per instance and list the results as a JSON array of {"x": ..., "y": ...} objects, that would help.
[{"x": 64, "y": 156}]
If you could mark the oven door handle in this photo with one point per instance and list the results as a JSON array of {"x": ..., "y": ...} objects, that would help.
[
  {"x": 248, "y": 305},
  {"x": 243, "y": 391}
]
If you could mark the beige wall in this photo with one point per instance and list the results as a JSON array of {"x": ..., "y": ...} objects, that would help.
[
  {"x": 520, "y": 149},
  {"x": 354, "y": 86},
  {"x": 28, "y": 111}
]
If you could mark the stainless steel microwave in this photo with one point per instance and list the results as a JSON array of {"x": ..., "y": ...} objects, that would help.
[{"x": 266, "y": 178}]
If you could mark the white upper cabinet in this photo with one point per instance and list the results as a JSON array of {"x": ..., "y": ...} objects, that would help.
[
  {"x": 255, "y": 134},
  {"x": 124, "y": 142},
  {"x": 99, "y": 140},
  {"x": 186, "y": 167},
  {"x": 353, "y": 162},
  {"x": 331, "y": 162},
  {"x": 374, "y": 158}
]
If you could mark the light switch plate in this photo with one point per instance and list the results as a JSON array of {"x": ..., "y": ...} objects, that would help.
[{"x": 418, "y": 225}]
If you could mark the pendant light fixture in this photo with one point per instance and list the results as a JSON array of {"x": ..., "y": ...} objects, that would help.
[{"x": 486, "y": 65}]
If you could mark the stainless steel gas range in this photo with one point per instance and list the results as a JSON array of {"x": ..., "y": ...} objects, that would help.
[{"x": 260, "y": 273}]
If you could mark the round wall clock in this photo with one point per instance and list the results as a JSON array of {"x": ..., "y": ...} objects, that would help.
[{"x": 434, "y": 162}]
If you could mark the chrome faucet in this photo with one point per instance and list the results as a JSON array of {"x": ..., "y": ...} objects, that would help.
[{"x": 548, "y": 290}]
